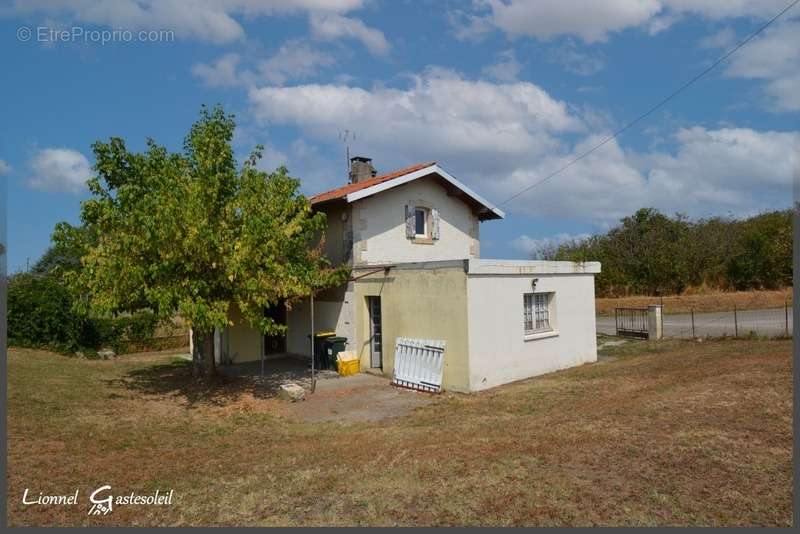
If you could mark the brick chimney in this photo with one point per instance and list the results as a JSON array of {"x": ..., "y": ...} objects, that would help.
[{"x": 361, "y": 169}]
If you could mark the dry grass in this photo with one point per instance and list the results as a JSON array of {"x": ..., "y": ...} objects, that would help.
[
  {"x": 680, "y": 433},
  {"x": 701, "y": 302}
]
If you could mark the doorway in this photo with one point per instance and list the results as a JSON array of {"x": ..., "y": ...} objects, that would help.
[
  {"x": 375, "y": 332},
  {"x": 275, "y": 344}
]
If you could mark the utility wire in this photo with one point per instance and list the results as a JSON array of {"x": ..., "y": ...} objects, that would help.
[{"x": 672, "y": 95}]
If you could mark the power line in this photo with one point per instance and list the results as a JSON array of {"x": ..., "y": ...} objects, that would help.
[{"x": 655, "y": 107}]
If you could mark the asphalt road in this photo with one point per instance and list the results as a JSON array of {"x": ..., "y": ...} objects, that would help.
[{"x": 769, "y": 322}]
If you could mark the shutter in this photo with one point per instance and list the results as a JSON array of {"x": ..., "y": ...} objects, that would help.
[
  {"x": 434, "y": 223},
  {"x": 410, "y": 223}
]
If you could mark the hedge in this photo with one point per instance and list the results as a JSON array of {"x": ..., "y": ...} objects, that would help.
[{"x": 41, "y": 314}]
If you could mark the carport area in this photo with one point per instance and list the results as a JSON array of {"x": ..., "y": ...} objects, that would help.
[
  {"x": 359, "y": 397},
  {"x": 277, "y": 370}
]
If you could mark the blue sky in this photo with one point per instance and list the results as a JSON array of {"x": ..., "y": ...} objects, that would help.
[{"x": 500, "y": 93}]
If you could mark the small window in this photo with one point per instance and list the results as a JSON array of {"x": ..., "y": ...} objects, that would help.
[
  {"x": 536, "y": 312},
  {"x": 421, "y": 222}
]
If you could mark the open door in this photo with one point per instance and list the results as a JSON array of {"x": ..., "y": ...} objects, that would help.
[{"x": 375, "y": 332}]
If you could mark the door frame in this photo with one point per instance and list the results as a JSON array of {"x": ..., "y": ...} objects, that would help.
[{"x": 373, "y": 300}]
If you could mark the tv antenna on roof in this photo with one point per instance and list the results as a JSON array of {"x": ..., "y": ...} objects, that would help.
[{"x": 346, "y": 136}]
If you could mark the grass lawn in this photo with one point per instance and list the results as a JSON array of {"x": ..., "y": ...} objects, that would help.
[
  {"x": 678, "y": 433},
  {"x": 717, "y": 301}
]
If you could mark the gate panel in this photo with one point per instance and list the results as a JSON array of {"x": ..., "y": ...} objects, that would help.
[
  {"x": 631, "y": 322},
  {"x": 418, "y": 363}
]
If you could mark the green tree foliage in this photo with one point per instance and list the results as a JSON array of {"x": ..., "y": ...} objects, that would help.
[
  {"x": 42, "y": 312},
  {"x": 650, "y": 253},
  {"x": 193, "y": 233},
  {"x": 64, "y": 255},
  {"x": 762, "y": 252}
]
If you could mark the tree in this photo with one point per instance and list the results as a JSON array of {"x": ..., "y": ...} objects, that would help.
[
  {"x": 65, "y": 255},
  {"x": 649, "y": 252},
  {"x": 762, "y": 257},
  {"x": 192, "y": 233}
]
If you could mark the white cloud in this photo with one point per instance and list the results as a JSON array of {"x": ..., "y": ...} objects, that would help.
[
  {"x": 294, "y": 60},
  {"x": 736, "y": 170},
  {"x": 500, "y": 138},
  {"x": 221, "y": 73},
  {"x": 775, "y": 58},
  {"x": 5, "y": 168},
  {"x": 473, "y": 124},
  {"x": 739, "y": 167},
  {"x": 468, "y": 26},
  {"x": 206, "y": 20},
  {"x": 59, "y": 169},
  {"x": 583, "y": 64},
  {"x": 595, "y": 21},
  {"x": 601, "y": 187},
  {"x": 333, "y": 26},
  {"x": 724, "y": 38},
  {"x": 592, "y": 22},
  {"x": 717, "y": 10},
  {"x": 533, "y": 247},
  {"x": 506, "y": 69}
]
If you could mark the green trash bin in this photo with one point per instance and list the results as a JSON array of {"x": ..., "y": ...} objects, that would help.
[
  {"x": 320, "y": 355},
  {"x": 333, "y": 346}
]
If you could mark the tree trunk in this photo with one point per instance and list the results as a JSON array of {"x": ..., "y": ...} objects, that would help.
[
  {"x": 197, "y": 354},
  {"x": 210, "y": 364},
  {"x": 203, "y": 364}
]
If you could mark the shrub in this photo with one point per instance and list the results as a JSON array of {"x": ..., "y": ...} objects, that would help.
[{"x": 41, "y": 314}]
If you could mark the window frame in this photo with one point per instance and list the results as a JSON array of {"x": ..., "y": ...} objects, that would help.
[{"x": 532, "y": 310}]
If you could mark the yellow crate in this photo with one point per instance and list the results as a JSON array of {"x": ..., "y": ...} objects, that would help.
[{"x": 347, "y": 367}]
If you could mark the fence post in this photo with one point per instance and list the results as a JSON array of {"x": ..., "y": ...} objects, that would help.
[
  {"x": 693, "y": 322},
  {"x": 654, "y": 322},
  {"x": 735, "y": 323},
  {"x": 786, "y": 315}
]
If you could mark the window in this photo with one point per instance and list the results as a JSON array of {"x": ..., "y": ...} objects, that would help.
[
  {"x": 421, "y": 222},
  {"x": 536, "y": 310}
]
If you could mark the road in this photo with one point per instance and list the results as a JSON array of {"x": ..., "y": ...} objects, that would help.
[{"x": 768, "y": 322}]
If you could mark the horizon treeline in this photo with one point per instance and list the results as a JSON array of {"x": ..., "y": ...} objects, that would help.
[{"x": 649, "y": 253}]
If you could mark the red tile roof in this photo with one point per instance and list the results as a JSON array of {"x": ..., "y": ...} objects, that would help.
[{"x": 343, "y": 191}]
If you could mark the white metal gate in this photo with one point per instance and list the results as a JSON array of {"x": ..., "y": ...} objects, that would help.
[{"x": 418, "y": 363}]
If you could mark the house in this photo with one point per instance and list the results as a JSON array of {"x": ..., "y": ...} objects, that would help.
[{"x": 413, "y": 239}]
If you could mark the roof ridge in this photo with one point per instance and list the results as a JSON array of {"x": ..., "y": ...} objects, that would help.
[{"x": 342, "y": 191}]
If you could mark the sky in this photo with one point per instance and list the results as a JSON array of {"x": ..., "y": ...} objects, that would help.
[{"x": 499, "y": 92}]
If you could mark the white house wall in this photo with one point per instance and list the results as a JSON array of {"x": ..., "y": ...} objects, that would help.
[
  {"x": 498, "y": 350},
  {"x": 379, "y": 231}
]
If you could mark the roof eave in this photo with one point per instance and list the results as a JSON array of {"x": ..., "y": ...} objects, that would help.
[{"x": 488, "y": 212}]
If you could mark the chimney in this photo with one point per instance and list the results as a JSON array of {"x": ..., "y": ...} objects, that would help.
[{"x": 361, "y": 169}]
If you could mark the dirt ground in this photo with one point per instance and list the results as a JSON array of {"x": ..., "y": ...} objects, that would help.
[
  {"x": 361, "y": 397},
  {"x": 701, "y": 302},
  {"x": 669, "y": 433}
]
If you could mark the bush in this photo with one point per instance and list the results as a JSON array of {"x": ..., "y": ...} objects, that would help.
[{"x": 41, "y": 314}]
